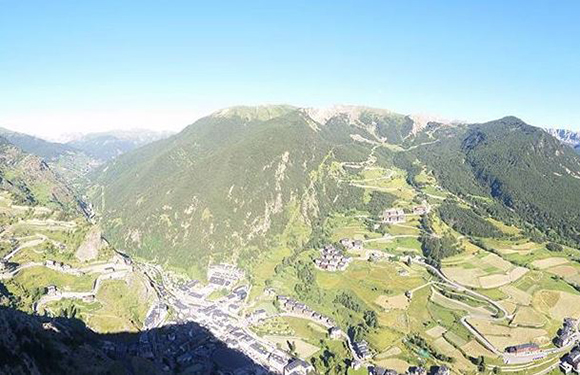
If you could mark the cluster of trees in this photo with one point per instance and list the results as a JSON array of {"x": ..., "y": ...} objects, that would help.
[
  {"x": 306, "y": 288},
  {"x": 420, "y": 342},
  {"x": 379, "y": 201},
  {"x": 554, "y": 247},
  {"x": 466, "y": 221},
  {"x": 348, "y": 300},
  {"x": 407, "y": 162},
  {"x": 437, "y": 248},
  {"x": 329, "y": 362},
  {"x": 370, "y": 319}
]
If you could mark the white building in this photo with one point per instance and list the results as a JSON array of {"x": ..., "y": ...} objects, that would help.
[{"x": 393, "y": 216}]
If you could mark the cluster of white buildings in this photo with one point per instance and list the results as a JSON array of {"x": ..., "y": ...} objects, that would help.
[
  {"x": 224, "y": 275},
  {"x": 393, "y": 216},
  {"x": 332, "y": 259},
  {"x": 297, "y": 308},
  {"x": 397, "y": 215},
  {"x": 220, "y": 325}
]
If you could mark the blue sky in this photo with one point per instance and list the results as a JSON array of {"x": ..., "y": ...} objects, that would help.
[{"x": 68, "y": 66}]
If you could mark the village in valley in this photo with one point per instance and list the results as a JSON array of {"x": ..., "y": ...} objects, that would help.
[
  {"x": 367, "y": 300},
  {"x": 481, "y": 309}
]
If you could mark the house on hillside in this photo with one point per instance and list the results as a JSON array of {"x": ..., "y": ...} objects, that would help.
[
  {"x": 362, "y": 349},
  {"x": 417, "y": 370},
  {"x": 522, "y": 349},
  {"x": 393, "y": 216},
  {"x": 298, "y": 367},
  {"x": 51, "y": 289},
  {"x": 441, "y": 370},
  {"x": 421, "y": 209},
  {"x": 566, "y": 334},
  {"x": 334, "y": 333},
  {"x": 571, "y": 362},
  {"x": 377, "y": 370}
]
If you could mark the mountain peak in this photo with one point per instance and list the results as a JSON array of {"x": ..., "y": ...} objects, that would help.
[
  {"x": 512, "y": 120},
  {"x": 258, "y": 112},
  {"x": 353, "y": 112}
]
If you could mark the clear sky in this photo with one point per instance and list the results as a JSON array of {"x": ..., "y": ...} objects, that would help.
[{"x": 69, "y": 66}]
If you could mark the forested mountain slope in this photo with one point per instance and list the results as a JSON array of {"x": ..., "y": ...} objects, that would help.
[
  {"x": 522, "y": 167},
  {"x": 238, "y": 180},
  {"x": 32, "y": 180},
  {"x": 37, "y": 146},
  {"x": 66, "y": 160},
  {"x": 235, "y": 179}
]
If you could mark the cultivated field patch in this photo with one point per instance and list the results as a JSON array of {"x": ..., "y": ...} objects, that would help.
[
  {"x": 502, "y": 336},
  {"x": 446, "y": 348},
  {"x": 497, "y": 262},
  {"x": 436, "y": 331},
  {"x": 516, "y": 295},
  {"x": 474, "y": 349},
  {"x": 498, "y": 280},
  {"x": 563, "y": 271},
  {"x": 399, "y": 302},
  {"x": 549, "y": 262},
  {"x": 464, "y": 276},
  {"x": 528, "y": 317},
  {"x": 454, "y": 338},
  {"x": 391, "y": 352},
  {"x": 452, "y": 304},
  {"x": 566, "y": 306},
  {"x": 394, "y": 363}
]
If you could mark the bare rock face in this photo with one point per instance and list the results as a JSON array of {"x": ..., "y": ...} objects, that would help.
[{"x": 90, "y": 247}]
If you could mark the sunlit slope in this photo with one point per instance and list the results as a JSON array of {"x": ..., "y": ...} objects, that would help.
[
  {"x": 235, "y": 179},
  {"x": 229, "y": 180}
]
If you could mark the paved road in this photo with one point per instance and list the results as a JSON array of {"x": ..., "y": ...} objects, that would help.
[
  {"x": 25, "y": 245},
  {"x": 508, "y": 358},
  {"x": 79, "y": 295}
]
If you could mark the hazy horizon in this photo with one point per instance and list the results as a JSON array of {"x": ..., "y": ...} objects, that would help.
[{"x": 66, "y": 136}]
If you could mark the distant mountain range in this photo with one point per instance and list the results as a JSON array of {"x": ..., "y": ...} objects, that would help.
[
  {"x": 568, "y": 137},
  {"x": 74, "y": 159},
  {"x": 107, "y": 145},
  {"x": 100, "y": 146}
]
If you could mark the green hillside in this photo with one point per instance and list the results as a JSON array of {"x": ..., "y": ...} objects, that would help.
[
  {"x": 70, "y": 162},
  {"x": 236, "y": 180},
  {"x": 229, "y": 181},
  {"x": 524, "y": 169},
  {"x": 32, "y": 180},
  {"x": 34, "y": 145}
]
